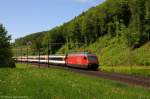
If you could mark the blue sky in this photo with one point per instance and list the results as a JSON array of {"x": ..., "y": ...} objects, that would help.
[{"x": 23, "y": 17}]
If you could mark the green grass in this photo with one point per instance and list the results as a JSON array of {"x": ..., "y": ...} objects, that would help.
[
  {"x": 34, "y": 83},
  {"x": 132, "y": 70}
]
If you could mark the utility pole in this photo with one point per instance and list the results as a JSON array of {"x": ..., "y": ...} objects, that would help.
[
  {"x": 148, "y": 36},
  {"x": 28, "y": 43},
  {"x": 39, "y": 57},
  {"x": 48, "y": 53},
  {"x": 21, "y": 55},
  {"x": 129, "y": 58},
  {"x": 16, "y": 54},
  {"x": 27, "y": 56},
  {"x": 67, "y": 48}
]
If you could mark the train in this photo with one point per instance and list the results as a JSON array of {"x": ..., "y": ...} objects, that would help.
[{"x": 84, "y": 60}]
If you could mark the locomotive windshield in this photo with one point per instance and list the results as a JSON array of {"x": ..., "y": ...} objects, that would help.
[{"x": 92, "y": 58}]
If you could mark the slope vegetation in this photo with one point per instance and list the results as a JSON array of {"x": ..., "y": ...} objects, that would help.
[{"x": 117, "y": 30}]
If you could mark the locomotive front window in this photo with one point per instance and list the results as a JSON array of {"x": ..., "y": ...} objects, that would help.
[{"x": 92, "y": 58}]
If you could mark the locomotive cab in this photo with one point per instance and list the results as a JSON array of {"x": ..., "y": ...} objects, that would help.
[{"x": 92, "y": 62}]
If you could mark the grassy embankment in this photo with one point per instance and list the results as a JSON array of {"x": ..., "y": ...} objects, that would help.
[
  {"x": 52, "y": 83},
  {"x": 132, "y": 70}
]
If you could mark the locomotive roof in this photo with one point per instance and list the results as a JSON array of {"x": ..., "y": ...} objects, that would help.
[{"x": 80, "y": 53}]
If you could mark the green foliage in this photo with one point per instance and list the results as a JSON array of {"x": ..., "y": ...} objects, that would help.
[
  {"x": 54, "y": 39},
  {"x": 147, "y": 11},
  {"x": 29, "y": 38},
  {"x": 5, "y": 50},
  {"x": 125, "y": 22},
  {"x": 106, "y": 18}
]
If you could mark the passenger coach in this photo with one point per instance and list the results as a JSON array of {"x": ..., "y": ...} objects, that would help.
[{"x": 84, "y": 60}]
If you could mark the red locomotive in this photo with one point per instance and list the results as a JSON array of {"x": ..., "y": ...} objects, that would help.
[{"x": 84, "y": 60}]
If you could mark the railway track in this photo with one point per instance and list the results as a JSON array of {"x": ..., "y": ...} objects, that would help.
[{"x": 123, "y": 78}]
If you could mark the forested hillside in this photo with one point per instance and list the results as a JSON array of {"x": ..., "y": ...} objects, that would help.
[{"x": 114, "y": 29}]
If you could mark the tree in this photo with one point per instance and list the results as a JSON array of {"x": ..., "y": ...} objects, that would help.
[
  {"x": 147, "y": 20},
  {"x": 76, "y": 31},
  {"x": 5, "y": 49},
  {"x": 147, "y": 7},
  {"x": 87, "y": 29},
  {"x": 98, "y": 21},
  {"x": 55, "y": 38}
]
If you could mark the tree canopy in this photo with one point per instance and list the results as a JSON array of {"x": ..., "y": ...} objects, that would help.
[
  {"x": 5, "y": 49},
  {"x": 107, "y": 18}
]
